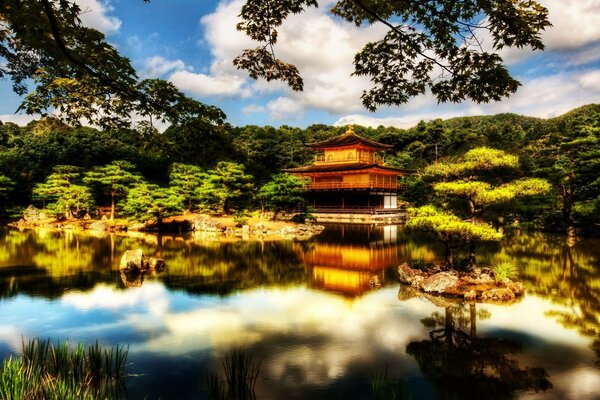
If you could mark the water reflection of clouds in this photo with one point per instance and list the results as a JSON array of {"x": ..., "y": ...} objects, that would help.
[{"x": 308, "y": 337}]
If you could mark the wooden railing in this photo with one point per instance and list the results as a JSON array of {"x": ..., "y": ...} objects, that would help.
[
  {"x": 367, "y": 159},
  {"x": 354, "y": 185},
  {"x": 359, "y": 209}
]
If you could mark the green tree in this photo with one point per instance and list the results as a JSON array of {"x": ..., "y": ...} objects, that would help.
[
  {"x": 73, "y": 70},
  {"x": 6, "y": 187},
  {"x": 147, "y": 201},
  {"x": 184, "y": 180},
  {"x": 569, "y": 155},
  {"x": 116, "y": 178},
  {"x": 450, "y": 230},
  {"x": 425, "y": 38},
  {"x": 282, "y": 192},
  {"x": 64, "y": 195},
  {"x": 226, "y": 183},
  {"x": 468, "y": 187}
]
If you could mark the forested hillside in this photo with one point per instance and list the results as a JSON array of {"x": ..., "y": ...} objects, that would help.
[{"x": 564, "y": 150}]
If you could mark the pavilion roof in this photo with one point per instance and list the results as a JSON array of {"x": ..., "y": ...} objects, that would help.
[
  {"x": 349, "y": 138},
  {"x": 342, "y": 168}
]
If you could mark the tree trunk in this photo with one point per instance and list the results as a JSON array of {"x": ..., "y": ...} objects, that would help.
[
  {"x": 449, "y": 256},
  {"x": 472, "y": 259},
  {"x": 473, "y": 319},
  {"x": 449, "y": 326},
  {"x": 226, "y": 206},
  {"x": 112, "y": 206}
]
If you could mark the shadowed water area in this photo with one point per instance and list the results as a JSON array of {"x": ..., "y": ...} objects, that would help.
[{"x": 326, "y": 316}]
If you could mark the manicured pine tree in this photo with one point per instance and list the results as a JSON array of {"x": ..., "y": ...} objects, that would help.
[
  {"x": 116, "y": 178},
  {"x": 469, "y": 186},
  {"x": 282, "y": 192},
  {"x": 225, "y": 183},
  {"x": 184, "y": 180},
  {"x": 64, "y": 194},
  {"x": 146, "y": 201},
  {"x": 6, "y": 186}
]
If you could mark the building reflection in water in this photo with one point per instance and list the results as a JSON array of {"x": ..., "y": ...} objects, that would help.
[{"x": 352, "y": 259}]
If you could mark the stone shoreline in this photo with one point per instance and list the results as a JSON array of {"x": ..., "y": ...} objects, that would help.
[
  {"x": 211, "y": 227},
  {"x": 478, "y": 285}
]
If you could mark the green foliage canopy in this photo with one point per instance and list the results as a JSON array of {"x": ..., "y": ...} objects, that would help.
[
  {"x": 147, "y": 201},
  {"x": 65, "y": 196},
  {"x": 283, "y": 191},
  {"x": 77, "y": 73},
  {"x": 116, "y": 177}
]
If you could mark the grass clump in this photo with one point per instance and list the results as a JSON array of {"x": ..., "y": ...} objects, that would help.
[
  {"x": 49, "y": 371},
  {"x": 387, "y": 387},
  {"x": 504, "y": 270},
  {"x": 241, "y": 372}
]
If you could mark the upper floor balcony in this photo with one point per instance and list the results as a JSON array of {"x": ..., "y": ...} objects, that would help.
[{"x": 349, "y": 158}]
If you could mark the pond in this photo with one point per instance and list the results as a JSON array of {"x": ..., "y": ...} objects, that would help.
[{"x": 327, "y": 317}]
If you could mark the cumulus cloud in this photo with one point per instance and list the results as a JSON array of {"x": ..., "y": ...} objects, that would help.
[
  {"x": 95, "y": 14},
  {"x": 543, "y": 97},
  {"x": 320, "y": 46},
  {"x": 19, "y": 119},
  {"x": 158, "y": 66},
  {"x": 207, "y": 85},
  {"x": 574, "y": 24}
]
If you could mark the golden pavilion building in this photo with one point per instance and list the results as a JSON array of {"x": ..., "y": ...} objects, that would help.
[{"x": 349, "y": 181}]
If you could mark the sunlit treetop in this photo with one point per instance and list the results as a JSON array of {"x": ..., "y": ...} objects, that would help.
[
  {"x": 473, "y": 161},
  {"x": 446, "y": 225},
  {"x": 449, "y": 48}
]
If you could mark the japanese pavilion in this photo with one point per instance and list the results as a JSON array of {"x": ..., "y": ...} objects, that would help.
[{"x": 349, "y": 181}]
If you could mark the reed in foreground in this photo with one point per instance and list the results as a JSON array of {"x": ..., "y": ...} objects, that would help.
[
  {"x": 387, "y": 387},
  {"x": 49, "y": 371},
  {"x": 241, "y": 372}
]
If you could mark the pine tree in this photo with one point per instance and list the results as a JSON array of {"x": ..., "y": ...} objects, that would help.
[
  {"x": 468, "y": 187},
  {"x": 116, "y": 178}
]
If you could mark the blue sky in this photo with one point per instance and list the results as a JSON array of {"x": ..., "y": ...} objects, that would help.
[{"x": 192, "y": 43}]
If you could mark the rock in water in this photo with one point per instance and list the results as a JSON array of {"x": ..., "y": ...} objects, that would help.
[
  {"x": 132, "y": 260},
  {"x": 155, "y": 264},
  {"x": 408, "y": 275},
  {"x": 135, "y": 261},
  {"x": 439, "y": 282}
]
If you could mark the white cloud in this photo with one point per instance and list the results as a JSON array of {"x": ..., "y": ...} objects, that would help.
[
  {"x": 158, "y": 66},
  {"x": 543, "y": 97},
  {"x": 591, "y": 80},
  {"x": 19, "y": 119},
  {"x": 207, "y": 85},
  {"x": 94, "y": 14},
  {"x": 321, "y": 47},
  {"x": 253, "y": 109},
  {"x": 574, "y": 23},
  {"x": 285, "y": 107}
]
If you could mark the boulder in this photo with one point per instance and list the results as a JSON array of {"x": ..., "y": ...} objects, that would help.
[
  {"x": 470, "y": 295},
  {"x": 154, "y": 264},
  {"x": 132, "y": 260},
  {"x": 502, "y": 294},
  {"x": 136, "y": 226},
  {"x": 439, "y": 282},
  {"x": 33, "y": 214},
  {"x": 98, "y": 226},
  {"x": 375, "y": 281},
  {"x": 406, "y": 274}
]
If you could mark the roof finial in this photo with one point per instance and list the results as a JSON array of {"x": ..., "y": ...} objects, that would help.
[{"x": 350, "y": 130}]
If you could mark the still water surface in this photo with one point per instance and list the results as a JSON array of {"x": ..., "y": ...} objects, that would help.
[{"x": 326, "y": 316}]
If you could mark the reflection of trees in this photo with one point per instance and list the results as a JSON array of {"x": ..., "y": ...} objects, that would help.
[
  {"x": 464, "y": 366},
  {"x": 563, "y": 270},
  {"x": 47, "y": 262}
]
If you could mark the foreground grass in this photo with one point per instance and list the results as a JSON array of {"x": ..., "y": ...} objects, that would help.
[{"x": 53, "y": 372}]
